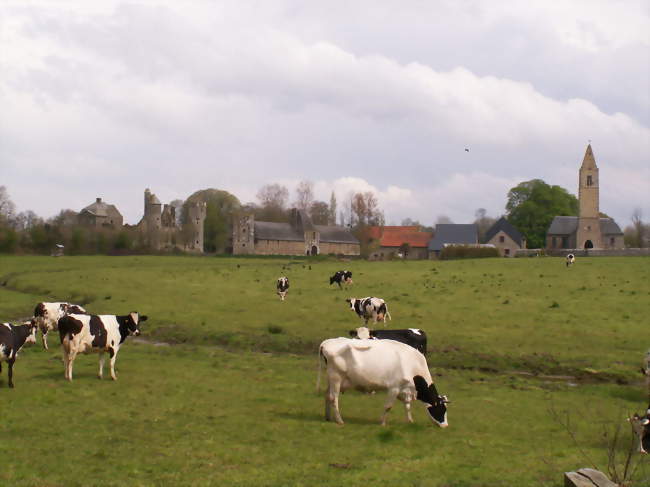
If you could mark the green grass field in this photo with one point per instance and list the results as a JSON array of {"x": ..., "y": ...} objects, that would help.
[{"x": 232, "y": 401}]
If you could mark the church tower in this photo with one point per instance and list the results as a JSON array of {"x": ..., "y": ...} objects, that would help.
[{"x": 588, "y": 233}]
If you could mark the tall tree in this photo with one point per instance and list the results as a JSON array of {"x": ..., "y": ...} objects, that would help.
[
  {"x": 532, "y": 205},
  {"x": 319, "y": 213},
  {"x": 7, "y": 207},
  {"x": 304, "y": 195},
  {"x": 332, "y": 210},
  {"x": 483, "y": 222},
  {"x": 273, "y": 202}
]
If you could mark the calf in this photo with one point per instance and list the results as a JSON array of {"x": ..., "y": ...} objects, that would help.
[
  {"x": 12, "y": 339},
  {"x": 367, "y": 308},
  {"x": 372, "y": 365},
  {"x": 283, "y": 287},
  {"x": 641, "y": 426},
  {"x": 339, "y": 277},
  {"x": 47, "y": 316},
  {"x": 570, "y": 259},
  {"x": 413, "y": 337},
  {"x": 91, "y": 333}
]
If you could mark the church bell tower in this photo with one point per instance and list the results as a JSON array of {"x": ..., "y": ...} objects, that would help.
[{"x": 588, "y": 233}]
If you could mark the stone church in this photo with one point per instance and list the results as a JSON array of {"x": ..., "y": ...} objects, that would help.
[
  {"x": 588, "y": 230},
  {"x": 297, "y": 237}
]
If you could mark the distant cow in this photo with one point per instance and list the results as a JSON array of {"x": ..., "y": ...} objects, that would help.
[
  {"x": 12, "y": 339},
  {"x": 645, "y": 370},
  {"x": 47, "y": 316},
  {"x": 641, "y": 426},
  {"x": 369, "y": 308},
  {"x": 570, "y": 259},
  {"x": 91, "y": 333},
  {"x": 373, "y": 365},
  {"x": 413, "y": 337},
  {"x": 341, "y": 277},
  {"x": 283, "y": 287}
]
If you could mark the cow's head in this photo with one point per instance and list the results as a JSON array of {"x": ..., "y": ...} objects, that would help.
[
  {"x": 352, "y": 303},
  {"x": 436, "y": 404},
  {"x": 133, "y": 322},
  {"x": 362, "y": 332},
  {"x": 33, "y": 326}
]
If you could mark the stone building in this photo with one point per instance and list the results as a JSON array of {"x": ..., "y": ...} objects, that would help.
[
  {"x": 159, "y": 229},
  {"x": 389, "y": 242},
  {"x": 588, "y": 230},
  {"x": 505, "y": 237},
  {"x": 297, "y": 237},
  {"x": 100, "y": 214}
]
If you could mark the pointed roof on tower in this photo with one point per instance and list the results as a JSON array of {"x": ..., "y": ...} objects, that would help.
[{"x": 589, "y": 162}]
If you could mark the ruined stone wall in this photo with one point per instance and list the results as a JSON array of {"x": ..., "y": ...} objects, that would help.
[{"x": 279, "y": 247}]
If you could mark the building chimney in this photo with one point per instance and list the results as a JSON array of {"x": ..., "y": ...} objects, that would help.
[{"x": 98, "y": 200}]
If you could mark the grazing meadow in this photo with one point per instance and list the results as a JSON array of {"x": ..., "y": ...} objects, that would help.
[{"x": 541, "y": 363}]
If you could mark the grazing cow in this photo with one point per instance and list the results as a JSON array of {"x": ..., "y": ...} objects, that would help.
[
  {"x": 91, "y": 333},
  {"x": 283, "y": 287},
  {"x": 367, "y": 308},
  {"x": 12, "y": 339},
  {"x": 47, "y": 316},
  {"x": 570, "y": 259},
  {"x": 340, "y": 277},
  {"x": 372, "y": 365},
  {"x": 413, "y": 337},
  {"x": 641, "y": 426}
]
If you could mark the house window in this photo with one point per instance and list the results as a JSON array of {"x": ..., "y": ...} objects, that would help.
[
  {"x": 554, "y": 242},
  {"x": 611, "y": 241},
  {"x": 590, "y": 181},
  {"x": 506, "y": 251},
  {"x": 502, "y": 239}
]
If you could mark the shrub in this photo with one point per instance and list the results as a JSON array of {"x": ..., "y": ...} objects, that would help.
[{"x": 467, "y": 252}]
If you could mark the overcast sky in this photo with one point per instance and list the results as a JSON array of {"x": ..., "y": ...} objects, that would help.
[{"x": 107, "y": 98}]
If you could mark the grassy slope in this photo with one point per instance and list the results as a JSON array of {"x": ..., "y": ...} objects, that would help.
[{"x": 199, "y": 415}]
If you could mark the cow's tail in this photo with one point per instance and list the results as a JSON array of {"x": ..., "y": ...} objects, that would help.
[{"x": 321, "y": 360}]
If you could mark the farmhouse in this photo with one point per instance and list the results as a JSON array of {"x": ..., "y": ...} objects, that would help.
[
  {"x": 407, "y": 241},
  {"x": 452, "y": 234},
  {"x": 505, "y": 237},
  {"x": 100, "y": 214},
  {"x": 587, "y": 230},
  {"x": 297, "y": 237}
]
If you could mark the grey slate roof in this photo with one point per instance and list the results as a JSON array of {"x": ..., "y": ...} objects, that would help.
[
  {"x": 452, "y": 233},
  {"x": 504, "y": 225},
  {"x": 567, "y": 225},
  {"x": 335, "y": 234},
  {"x": 99, "y": 208},
  {"x": 277, "y": 231}
]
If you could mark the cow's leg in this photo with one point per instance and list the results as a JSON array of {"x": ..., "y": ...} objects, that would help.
[
  {"x": 66, "y": 360},
  {"x": 72, "y": 354},
  {"x": 333, "y": 392},
  {"x": 390, "y": 399},
  {"x": 10, "y": 372},
  {"x": 408, "y": 398},
  {"x": 327, "y": 405},
  {"x": 44, "y": 338},
  {"x": 100, "y": 374},
  {"x": 113, "y": 355}
]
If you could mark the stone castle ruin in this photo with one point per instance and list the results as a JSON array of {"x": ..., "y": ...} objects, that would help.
[{"x": 158, "y": 225}]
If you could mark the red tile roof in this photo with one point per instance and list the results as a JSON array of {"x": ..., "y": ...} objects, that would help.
[{"x": 396, "y": 236}]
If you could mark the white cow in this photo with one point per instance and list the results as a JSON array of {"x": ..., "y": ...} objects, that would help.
[
  {"x": 373, "y": 365},
  {"x": 47, "y": 316},
  {"x": 570, "y": 259}
]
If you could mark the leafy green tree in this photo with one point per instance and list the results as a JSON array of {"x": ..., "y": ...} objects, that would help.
[
  {"x": 532, "y": 205},
  {"x": 217, "y": 227}
]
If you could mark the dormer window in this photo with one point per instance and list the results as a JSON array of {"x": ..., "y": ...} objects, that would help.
[{"x": 590, "y": 181}]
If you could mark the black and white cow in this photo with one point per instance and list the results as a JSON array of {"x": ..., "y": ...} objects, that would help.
[
  {"x": 374, "y": 365},
  {"x": 641, "y": 426},
  {"x": 570, "y": 259},
  {"x": 47, "y": 316},
  {"x": 413, "y": 337},
  {"x": 645, "y": 370},
  {"x": 282, "y": 287},
  {"x": 96, "y": 333},
  {"x": 341, "y": 277},
  {"x": 369, "y": 308},
  {"x": 12, "y": 339}
]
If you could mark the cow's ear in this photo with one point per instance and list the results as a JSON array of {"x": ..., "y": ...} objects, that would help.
[
  {"x": 421, "y": 389},
  {"x": 433, "y": 390},
  {"x": 143, "y": 318},
  {"x": 349, "y": 301}
]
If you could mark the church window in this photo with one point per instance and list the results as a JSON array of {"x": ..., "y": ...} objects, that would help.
[
  {"x": 590, "y": 181},
  {"x": 502, "y": 239}
]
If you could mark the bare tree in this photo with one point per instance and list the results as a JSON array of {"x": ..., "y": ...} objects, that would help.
[
  {"x": 332, "y": 210},
  {"x": 443, "y": 219},
  {"x": 637, "y": 223},
  {"x": 7, "y": 207},
  {"x": 273, "y": 201},
  {"x": 319, "y": 213},
  {"x": 483, "y": 222},
  {"x": 304, "y": 195}
]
